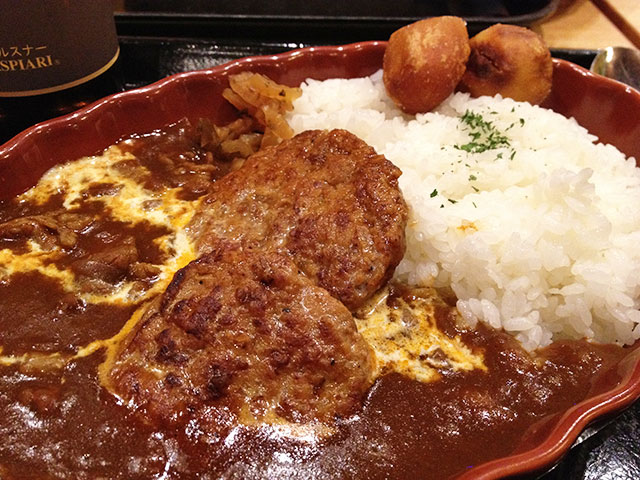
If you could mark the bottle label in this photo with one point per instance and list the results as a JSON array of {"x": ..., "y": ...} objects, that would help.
[{"x": 51, "y": 45}]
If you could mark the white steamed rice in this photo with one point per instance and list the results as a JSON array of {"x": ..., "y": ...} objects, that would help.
[{"x": 540, "y": 237}]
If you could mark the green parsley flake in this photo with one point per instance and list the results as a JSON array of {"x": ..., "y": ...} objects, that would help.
[{"x": 484, "y": 136}]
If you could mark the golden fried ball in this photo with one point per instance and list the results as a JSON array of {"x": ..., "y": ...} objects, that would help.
[
  {"x": 424, "y": 61},
  {"x": 509, "y": 60}
]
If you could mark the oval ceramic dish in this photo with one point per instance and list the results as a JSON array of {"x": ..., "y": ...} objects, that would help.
[{"x": 607, "y": 108}]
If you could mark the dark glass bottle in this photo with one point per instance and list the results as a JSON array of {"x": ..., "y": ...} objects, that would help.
[{"x": 55, "y": 57}]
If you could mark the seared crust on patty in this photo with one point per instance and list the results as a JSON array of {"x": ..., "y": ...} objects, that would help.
[
  {"x": 241, "y": 336},
  {"x": 324, "y": 197},
  {"x": 254, "y": 330}
]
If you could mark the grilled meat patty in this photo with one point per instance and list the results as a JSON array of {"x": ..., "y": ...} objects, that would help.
[
  {"x": 258, "y": 329},
  {"x": 240, "y": 335},
  {"x": 324, "y": 197}
]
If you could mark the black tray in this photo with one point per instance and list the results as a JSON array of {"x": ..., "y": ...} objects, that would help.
[{"x": 317, "y": 21}]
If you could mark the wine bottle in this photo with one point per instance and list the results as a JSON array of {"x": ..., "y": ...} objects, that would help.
[{"x": 55, "y": 57}]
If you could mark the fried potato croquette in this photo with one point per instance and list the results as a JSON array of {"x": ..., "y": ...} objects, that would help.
[
  {"x": 424, "y": 61},
  {"x": 510, "y": 60}
]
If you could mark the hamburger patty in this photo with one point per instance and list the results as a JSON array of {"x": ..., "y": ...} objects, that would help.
[
  {"x": 258, "y": 327},
  {"x": 327, "y": 199},
  {"x": 241, "y": 336}
]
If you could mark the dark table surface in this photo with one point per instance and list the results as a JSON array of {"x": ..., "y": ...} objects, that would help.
[
  {"x": 608, "y": 450},
  {"x": 314, "y": 20},
  {"x": 611, "y": 453}
]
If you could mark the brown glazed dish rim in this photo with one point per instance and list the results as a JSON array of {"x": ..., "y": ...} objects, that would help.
[{"x": 607, "y": 108}]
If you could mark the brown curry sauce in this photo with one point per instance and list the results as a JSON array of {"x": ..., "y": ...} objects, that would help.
[{"x": 58, "y": 422}]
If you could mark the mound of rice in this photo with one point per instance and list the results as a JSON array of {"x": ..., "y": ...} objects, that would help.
[{"x": 534, "y": 226}]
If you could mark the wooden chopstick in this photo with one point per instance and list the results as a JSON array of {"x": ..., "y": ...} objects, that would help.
[{"x": 618, "y": 19}]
